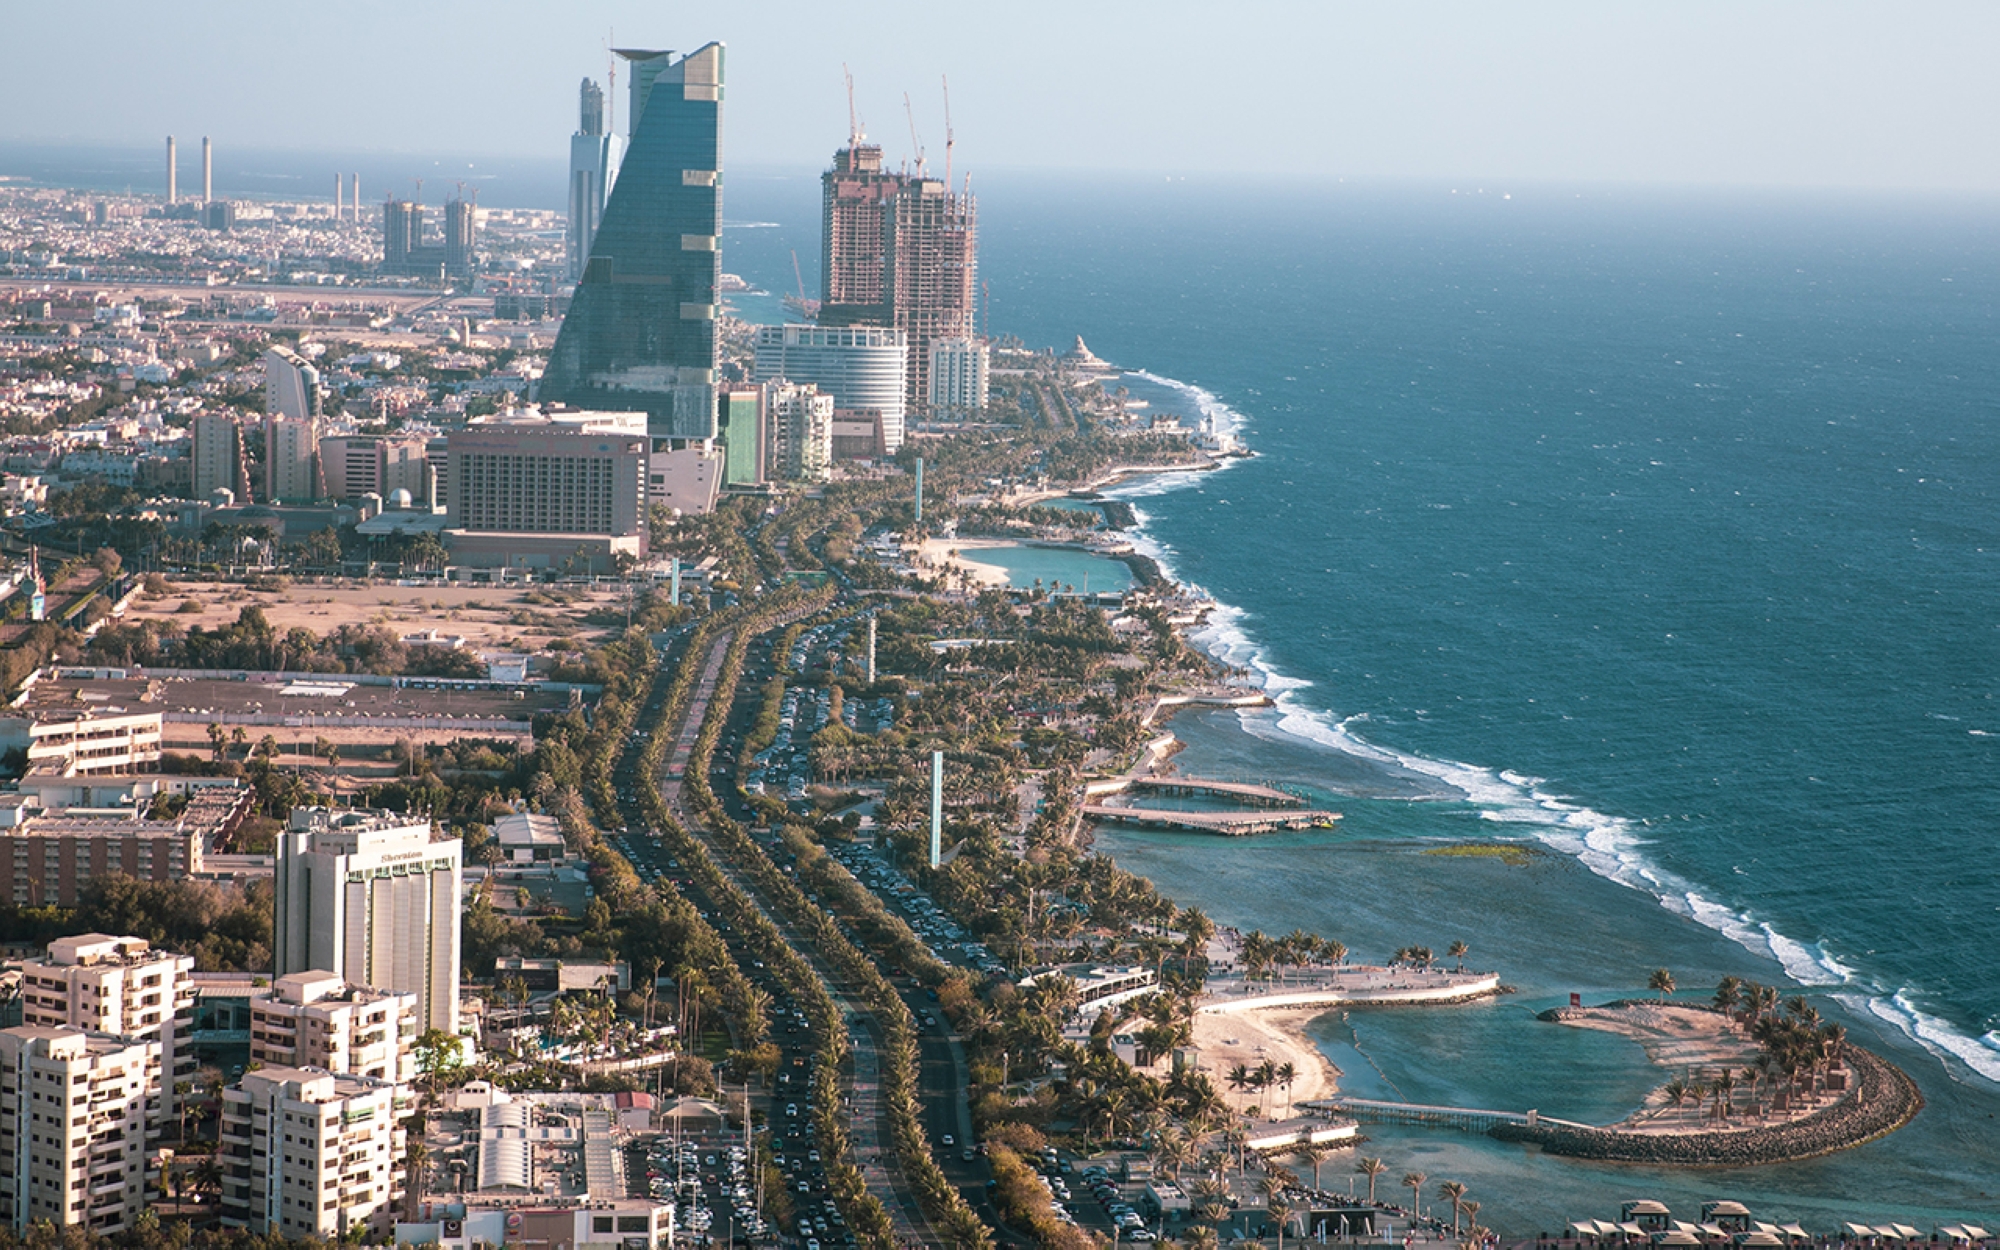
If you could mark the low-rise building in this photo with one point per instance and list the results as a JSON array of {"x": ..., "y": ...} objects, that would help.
[
  {"x": 87, "y": 739},
  {"x": 618, "y": 1224},
  {"x": 310, "y": 1153},
  {"x": 85, "y": 1165},
  {"x": 48, "y": 859}
]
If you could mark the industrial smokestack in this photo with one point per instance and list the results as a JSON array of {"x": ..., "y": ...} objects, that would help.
[
  {"x": 207, "y": 170},
  {"x": 356, "y": 197},
  {"x": 171, "y": 188},
  {"x": 339, "y": 184}
]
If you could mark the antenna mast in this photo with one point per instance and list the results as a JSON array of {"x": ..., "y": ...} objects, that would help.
[
  {"x": 915, "y": 143},
  {"x": 611, "y": 81},
  {"x": 947, "y": 132},
  {"x": 854, "y": 135}
]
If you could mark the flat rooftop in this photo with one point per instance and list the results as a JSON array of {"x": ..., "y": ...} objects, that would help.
[{"x": 329, "y": 699}]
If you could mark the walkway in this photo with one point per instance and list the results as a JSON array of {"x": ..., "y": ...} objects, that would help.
[
  {"x": 1469, "y": 1118},
  {"x": 1228, "y": 824},
  {"x": 1348, "y": 985}
]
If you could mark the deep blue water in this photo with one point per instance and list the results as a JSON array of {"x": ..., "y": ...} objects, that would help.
[{"x": 1654, "y": 528}]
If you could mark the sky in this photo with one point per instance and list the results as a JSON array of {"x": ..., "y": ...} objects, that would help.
[{"x": 1889, "y": 96}]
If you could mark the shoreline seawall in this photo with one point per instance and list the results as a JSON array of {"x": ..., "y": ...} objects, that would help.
[{"x": 1885, "y": 1099}]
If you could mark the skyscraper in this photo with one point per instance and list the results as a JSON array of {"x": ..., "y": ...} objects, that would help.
[
  {"x": 899, "y": 251},
  {"x": 291, "y": 428},
  {"x": 217, "y": 453},
  {"x": 367, "y": 896},
  {"x": 854, "y": 199},
  {"x": 402, "y": 233},
  {"x": 593, "y": 168},
  {"x": 642, "y": 333},
  {"x": 930, "y": 248}
]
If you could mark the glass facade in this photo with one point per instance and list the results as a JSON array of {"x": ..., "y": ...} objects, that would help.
[
  {"x": 641, "y": 333},
  {"x": 742, "y": 437}
]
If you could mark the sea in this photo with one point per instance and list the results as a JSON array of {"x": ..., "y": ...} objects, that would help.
[{"x": 1651, "y": 530}]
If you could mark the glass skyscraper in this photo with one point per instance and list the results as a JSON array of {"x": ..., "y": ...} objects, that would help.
[{"x": 641, "y": 334}]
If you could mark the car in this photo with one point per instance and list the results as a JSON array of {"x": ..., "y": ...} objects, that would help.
[
  {"x": 791, "y": 1108},
  {"x": 969, "y": 1154},
  {"x": 949, "y": 1140}
]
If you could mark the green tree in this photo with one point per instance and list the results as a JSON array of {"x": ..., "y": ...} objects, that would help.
[
  {"x": 1371, "y": 1168},
  {"x": 1661, "y": 980}
]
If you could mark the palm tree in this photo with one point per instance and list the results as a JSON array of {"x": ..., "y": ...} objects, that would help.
[
  {"x": 1452, "y": 1192},
  {"x": 1474, "y": 1232},
  {"x": 1285, "y": 1074},
  {"x": 1458, "y": 951},
  {"x": 1697, "y": 1094},
  {"x": 1724, "y": 1087},
  {"x": 1414, "y": 1182},
  {"x": 1314, "y": 1155},
  {"x": 1729, "y": 994},
  {"x": 1281, "y": 1211},
  {"x": 1201, "y": 1238},
  {"x": 1371, "y": 1168},
  {"x": 1661, "y": 980},
  {"x": 1677, "y": 1093},
  {"x": 1238, "y": 1078}
]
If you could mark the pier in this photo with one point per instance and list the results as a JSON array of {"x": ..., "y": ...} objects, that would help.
[
  {"x": 1248, "y": 794},
  {"x": 1228, "y": 824},
  {"x": 1469, "y": 1119}
]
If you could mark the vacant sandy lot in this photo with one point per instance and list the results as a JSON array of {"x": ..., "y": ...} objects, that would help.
[{"x": 489, "y": 617}]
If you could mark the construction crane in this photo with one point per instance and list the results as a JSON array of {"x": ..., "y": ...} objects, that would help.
[
  {"x": 947, "y": 132},
  {"x": 915, "y": 143},
  {"x": 854, "y": 135},
  {"x": 420, "y": 189},
  {"x": 802, "y": 303}
]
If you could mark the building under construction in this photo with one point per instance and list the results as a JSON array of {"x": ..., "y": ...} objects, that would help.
[
  {"x": 898, "y": 250},
  {"x": 405, "y": 251}
]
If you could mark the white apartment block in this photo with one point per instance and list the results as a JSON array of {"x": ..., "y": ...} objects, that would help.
[
  {"x": 120, "y": 986},
  {"x": 318, "y": 1020},
  {"x": 74, "y": 1108},
  {"x": 310, "y": 1153},
  {"x": 91, "y": 741},
  {"x": 798, "y": 427},
  {"x": 367, "y": 896},
  {"x": 959, "y": 381}
]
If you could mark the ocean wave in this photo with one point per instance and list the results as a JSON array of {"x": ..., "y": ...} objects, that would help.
[
  {"x": 1610, "y": 846},
  {"x": 1981, "y": 1054}
]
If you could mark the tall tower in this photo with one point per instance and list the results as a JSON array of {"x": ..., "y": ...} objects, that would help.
[
  {"x": 172, "y": 173},
  {"x": 593, "y": 168},
  {"x": 458, "y": 237},
  {"x": 207, "y": 170},
  {"x": 642, "y": 333},
  {"x": 854, "y": 204},
  {"x": 931, "y": 246}
]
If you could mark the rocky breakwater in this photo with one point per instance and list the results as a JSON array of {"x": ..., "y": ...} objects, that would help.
[{"x": 1883, "y": 1099}]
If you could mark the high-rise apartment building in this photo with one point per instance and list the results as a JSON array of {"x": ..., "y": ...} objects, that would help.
[
  {"x": 860, "y": 366},
  {"x": 216, "y": 452},
  {"x": 958, "y": 376},
  {"x": 594, "y": 154},
  {"x": 116, "y": 985},
  {"x": 307, "y": 1153},
  {"x": 291, "y": 385},
  {"x": 798, "y": 428},
  {"x": 642, "y": 331},
  {"x": 368, "y": 897},
  {"x": 318, "y": 1020},
  {"x": 74, "y": 1113},
  {"x": 291, "y": 427}
]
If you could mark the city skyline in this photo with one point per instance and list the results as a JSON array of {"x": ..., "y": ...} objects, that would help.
[{"x": 1777, "y": 94}]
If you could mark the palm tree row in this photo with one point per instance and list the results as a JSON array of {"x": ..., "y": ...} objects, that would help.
[{"x": 1262, "y": 1077}]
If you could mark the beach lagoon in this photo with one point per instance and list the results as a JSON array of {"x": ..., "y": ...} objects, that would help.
[{"x": 1062, "y": 567}]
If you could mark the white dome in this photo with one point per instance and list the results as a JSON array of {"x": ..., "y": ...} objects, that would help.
[{"x": 401, "y": 499}]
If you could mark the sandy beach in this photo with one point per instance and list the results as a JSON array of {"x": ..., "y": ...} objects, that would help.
[
  {"x": 950, "y": 553},
  {"x": 1250, "y": 1038}
]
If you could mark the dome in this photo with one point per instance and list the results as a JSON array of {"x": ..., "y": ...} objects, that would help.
[{"x": 401, "y": 499}]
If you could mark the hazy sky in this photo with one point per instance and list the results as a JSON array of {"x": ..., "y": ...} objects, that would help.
[{"x": 1897, "y": 95}]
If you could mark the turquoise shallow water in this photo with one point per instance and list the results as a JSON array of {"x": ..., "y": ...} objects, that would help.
[{"x": 1055, "y": 566}]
